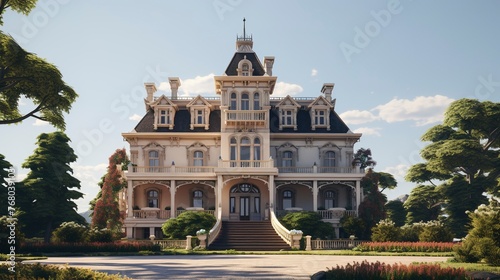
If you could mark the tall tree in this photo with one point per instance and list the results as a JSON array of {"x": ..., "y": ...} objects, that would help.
[
  {"x": 106, "y": 212},
  {"x": 465, "y": 148},
  {"x": 50, "y": 187},
  {"x": 396, "y": 212},
  {"x": 20, "y": 6},
  {"x": 23, "y": 74},
  {"x": 423, "y": 204}
]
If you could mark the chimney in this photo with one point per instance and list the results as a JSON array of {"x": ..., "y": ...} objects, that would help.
[
  {"x": 327, "y": 90},
  {"x": 150, "y": 89},
  {"x": 175, "y": 83},
  {"x": 268, "y": 64}
]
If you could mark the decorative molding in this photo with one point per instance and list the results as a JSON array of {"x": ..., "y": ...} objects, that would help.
[
  {"x": 136, "y": 183},
  {"x": 308, "y": 184},
  {"x": 197, "y": 182},
  {"x": 175, "y": 141},
  {"x": 344, "y": 183}
]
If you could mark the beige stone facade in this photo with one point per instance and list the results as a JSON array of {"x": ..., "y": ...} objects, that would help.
[{"x": 242, "y": 154}]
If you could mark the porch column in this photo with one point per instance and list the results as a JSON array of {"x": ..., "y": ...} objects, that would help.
[
  {"x": 218, "y": 198},
  {"x": 315, "y": 195},
  {"x": 358, "y": 195},
  {"x": 272, "y": 201},
  {"x": 130, "y": 232},
  {"x": 130, "y": 201},
  {"x": 172, "y": 199}
]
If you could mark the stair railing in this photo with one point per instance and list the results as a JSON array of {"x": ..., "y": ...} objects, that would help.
[
  {"x": 214, "y": 232},
  {"x": 282, "y": 231}
]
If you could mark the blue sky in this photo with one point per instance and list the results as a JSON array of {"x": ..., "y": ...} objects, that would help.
[{"x": 396, "y": 65}]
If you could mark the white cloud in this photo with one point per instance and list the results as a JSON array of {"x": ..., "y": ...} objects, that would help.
[
  {"x": 422, "y": 110},
  {"x": 135, "y": 117},
  {"x": 39, "y": 122},
  {"x": 375, "y": 131},
  {"x": 283, "y": 89},
  {"x": 357, "y": 117},
  {"x": 89, "y": 176},
  {"x": 193, "y": 86},
  {"x": 314, "y": 72},
  {"x": 398, "y": 171}
]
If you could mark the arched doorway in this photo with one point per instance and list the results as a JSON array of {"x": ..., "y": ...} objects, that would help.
[{"x": 244, "y": 202}]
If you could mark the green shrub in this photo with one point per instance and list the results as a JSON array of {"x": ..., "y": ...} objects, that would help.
[
  {"x": 435, "y": 231},
  {"x": 89, "y": 247},
  {"x": 352, "y": 226},
  {"x": 39, "y": 271},
  {"x": 386, "y": 230},
  {"x": 310, "y": 223},
  {"x": 69, "y": 232},
  {"x": 410, "y": 233},
  {"x": 100, "y": 235},
  {"x": 187, "y": 223}
]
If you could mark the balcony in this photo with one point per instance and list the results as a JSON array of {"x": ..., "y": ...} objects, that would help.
[
  {"x": 246, "y": 117},
  {"x": 246, "y": 163},
  {"x": 172, "y": 169},
  {"x": 317, "y": 169},
  {"x": 161, "y": 214}
]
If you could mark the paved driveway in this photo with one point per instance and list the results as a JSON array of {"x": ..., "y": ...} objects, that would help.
[{"x": 224, "y": 266}]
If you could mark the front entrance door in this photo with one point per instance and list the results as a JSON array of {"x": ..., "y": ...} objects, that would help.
[{"x": 244, "y": 208}]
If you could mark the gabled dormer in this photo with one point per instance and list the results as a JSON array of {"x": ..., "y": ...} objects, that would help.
[
  {"x": 199, "y": 109},
  {"x": 320, "y": 110},
  {"x": 164, "y": 112},
  {"x": 288, "y": 108}
]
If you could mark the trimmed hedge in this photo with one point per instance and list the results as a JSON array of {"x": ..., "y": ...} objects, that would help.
[
  {"x": 406, "y": 246},
  {"x": 90, "y": 247},
  {"x": 39, "y": 271}
]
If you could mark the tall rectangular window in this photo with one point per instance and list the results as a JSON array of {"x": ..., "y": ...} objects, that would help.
[
  {"x": 319, "y": 117},
  {"x": 199, "y": 117}
]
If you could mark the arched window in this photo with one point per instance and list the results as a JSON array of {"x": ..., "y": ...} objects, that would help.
[
  {"x": 330, "y": 198},
  {"x": 152, "y": 198},
  {"x": 244, "y": 69},
  {"x": 245, "y": 102},
  {"x": 287, "y": 199},
  {"x": 287, "y": 159},
  {"x": 197, "y": 199},
  {"x": 256, "y": 149},
  {"x": 245, "y": 151},
  {"x": 234, "y": 101},
  {"x": 233, "y": 150},
  {"x": 154, "y": 161},
  {"x": 256, "y": 101},
  {"x": 329, "y": 160},
  {"x": 198, "y": 158}
]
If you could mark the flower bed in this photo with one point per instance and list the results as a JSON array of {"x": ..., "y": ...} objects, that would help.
[
  {"x": 90, "y": 247},
  {"x": 406, "y": 246},
  {"x": 375, "y": 271}
]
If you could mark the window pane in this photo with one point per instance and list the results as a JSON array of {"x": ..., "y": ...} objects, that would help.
[
  {"x": 245, "y": 102},
  {"x": 256, "y": 204},
  {"x": 232, "y": 205},
  {"x": 256, "y": 101}
]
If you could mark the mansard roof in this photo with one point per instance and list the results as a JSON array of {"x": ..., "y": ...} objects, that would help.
[
  {"x": 258, "y": 69},
  {"x": 337, "y": 125},
  {"x": 181, "y": 123}
]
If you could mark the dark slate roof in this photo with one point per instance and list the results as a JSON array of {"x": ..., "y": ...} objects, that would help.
[
  {"x": 182, "y": 122},
  {"x": 258, "y": 70},
  {"x": 304, "y": 123},
  {"x": 183, "y": 117}
]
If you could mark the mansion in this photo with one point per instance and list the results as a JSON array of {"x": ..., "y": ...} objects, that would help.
[{"x": 242, "y": 155}]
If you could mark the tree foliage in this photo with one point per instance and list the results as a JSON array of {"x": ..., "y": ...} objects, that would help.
[
  {"x": 106, "y": 212},
  {"x": 423, "y": 204},
  {"x": 364, "y": 158},
  {"x": 4, "y": 174},
  {"x": 462, "y": 160},
  {"x": 20, "y": 6},
  {"x": 49, "y": 190},
  {"x": 386, "y": 230},
  {"x": 188, "y": 223},
  {"x": 310, "y": 223},
  {"x": 396, "y": 212},
  {"x": 23, "y": 74}
]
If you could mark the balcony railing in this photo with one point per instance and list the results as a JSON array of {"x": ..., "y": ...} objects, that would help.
[
  {"x": 246, "y": 163},
  {"x": 246, "y": 116},
  {"x": 317, "y": 169},
  {"x": 172, "y": 169},
  {"x": 162, "y": 214},
  {"x": 325, "y": 214}
]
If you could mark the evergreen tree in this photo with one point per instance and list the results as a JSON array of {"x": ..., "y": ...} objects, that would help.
[
  {"x": 396, "y": 212},
  {"x": 50, "y": 189},
  {"x": 423, "y": 204}
]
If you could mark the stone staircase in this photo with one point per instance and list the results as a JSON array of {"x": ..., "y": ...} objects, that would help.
[{"x": 248, "y": 236}]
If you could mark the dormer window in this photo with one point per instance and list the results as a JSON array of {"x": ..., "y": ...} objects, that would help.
[
  {"x": 319, "y": 117},
  {"x": 164, "y": 117},
  {"x": 245, "y": 67},
  {"x": 320, "y": 113},
  {"x": 199, "y": 109},
  {"x": 244, "y": 70},
  {"x": 164, "y": 112},
  {"x": 288, "y": 109}
]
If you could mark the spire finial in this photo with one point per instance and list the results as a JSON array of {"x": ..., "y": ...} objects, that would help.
[{"x": 244, "y": 33}]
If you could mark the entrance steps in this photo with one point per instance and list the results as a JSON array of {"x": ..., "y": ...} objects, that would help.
[{"x": 248, "y": 236}]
